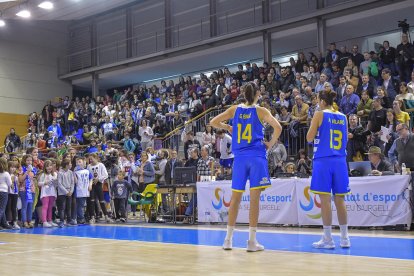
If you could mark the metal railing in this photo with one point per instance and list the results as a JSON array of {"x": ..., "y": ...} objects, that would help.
[{"x": 197, "y": 124}]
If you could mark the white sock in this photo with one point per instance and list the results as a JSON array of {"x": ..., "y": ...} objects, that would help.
[
  {"x": 327, "y": 232},
  {"x": 229, "y": 235},
  {"x": 252, "y": 233},
  {"x": 344, "y": 231}
]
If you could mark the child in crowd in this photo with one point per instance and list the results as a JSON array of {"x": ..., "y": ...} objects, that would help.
[
  {"x": 48, "y": 184},
  {"x": 13, "y": 195},
  {"x": 5, "y": 184},
  {"x": 83, "y": 187},
  {"x": 100, "y": 174},
  {"x": 27, "y": 182},
  {"x": 290, "y": 168},
  {"x": 66, "y": 186},
  {"x": 119, "y": 190}
]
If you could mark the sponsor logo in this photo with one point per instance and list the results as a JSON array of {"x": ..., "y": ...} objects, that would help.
[
  {"x": 220, "y": 201},
  {"x": 313, "y": 206}
]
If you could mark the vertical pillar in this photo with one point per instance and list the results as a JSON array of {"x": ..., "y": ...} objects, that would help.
[
  {"x": 95, "y": 85},
  {"x": 94, "y": 44},
  {"x": 213, "y": 18},
  {"x": 267, "y": 47},
  {"x": 167, "y": 25},
  {"x": 321, "y": 35},
  {"x": 321, "y": 29},
  {"x": 128, "y": 25}
]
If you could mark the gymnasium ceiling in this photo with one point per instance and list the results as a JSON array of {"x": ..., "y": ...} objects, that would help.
[{"x": 63, "y": 9}]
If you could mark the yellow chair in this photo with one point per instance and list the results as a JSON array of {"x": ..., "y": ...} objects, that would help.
[{"x": 147, "y": 200}]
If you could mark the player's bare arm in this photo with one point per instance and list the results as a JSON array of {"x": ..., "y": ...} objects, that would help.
[{"x": 217, "y": 122}]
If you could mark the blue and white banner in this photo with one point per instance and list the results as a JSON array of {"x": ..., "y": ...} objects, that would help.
[
  {"x": 375, "y": 201},
  {"x": 277, "y": 203}
]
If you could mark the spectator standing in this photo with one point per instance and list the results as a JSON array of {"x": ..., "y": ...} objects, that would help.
[
  {"x": 13, "y": 194},
  {"x": 190, "y": 144},
  {"x": 100, "y": 175},
  {"x": 146, "y": 133},
  {"x": 66, "y": 186},
  {"x": 226, "y": 155},
  {"x": 349, "y": 102},
  {"x": 146, "y": 171},
  {"x": 357, "y": 57},
  {"x": 27, "y": 182},
  {"x": 83, "y": 187},
  {"x": 405, "y": 56},
  {"x": 341, "y": 89},
  {"x": 119, "y": 191},
  {"x": 364, "y": 107},
  {"x": 277, "y": 155},
  {"x": 365, "y": 85},
  {"x": 402, "y": 151},
  {"x": 389, "y": 83},
  {"x": 48, "y": 184},
  {"x": 357, "y": 138},
  {"x": 387, "y": 56},
  {"x": 392, "y": 127},
  {"x": 5, "y": 184},
  {"x": 205, "y": 165},
  {"x": 160, "y": 173}
]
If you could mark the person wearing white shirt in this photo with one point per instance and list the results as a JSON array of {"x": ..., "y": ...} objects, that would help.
[
  {"x": 108, "y": 128},
  {"x": 100, "y": 175},
  {"x": 410, "y": 85},
  {"x": 226, "y": 155},
  {"x": 146, "y": 134},
  {"x": 5, "y": 184}
]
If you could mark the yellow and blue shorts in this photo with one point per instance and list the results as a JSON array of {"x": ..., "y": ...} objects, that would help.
[
  {"x": 251, "y": 168},
  {"x": 330, "y": 176}
]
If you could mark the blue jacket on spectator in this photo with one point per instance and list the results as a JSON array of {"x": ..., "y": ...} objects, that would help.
[
  {"x": 349, "y": 104},
  {"x": 56, "y": 129}
]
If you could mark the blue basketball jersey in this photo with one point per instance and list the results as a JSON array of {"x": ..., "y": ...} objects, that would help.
[
  {"x": 332, "y": 135},
  {"x": 248, "y": 132}
]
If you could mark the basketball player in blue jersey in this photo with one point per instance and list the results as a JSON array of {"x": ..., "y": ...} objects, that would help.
[
  {"x": 249, "y": 149},
  {"x": 329, "y": 132}
]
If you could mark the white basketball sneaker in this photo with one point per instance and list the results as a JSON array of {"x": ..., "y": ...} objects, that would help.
[
  {"x": 324, "y": 244},
  {"x": 228, "y": 245},
  {"x": 345, "y": 243},
  {"x": 254, "y": 246}
]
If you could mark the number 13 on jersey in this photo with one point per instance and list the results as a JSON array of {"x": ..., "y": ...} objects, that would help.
[
  {"x": 245, "y": 134},
  {"x": 336, "y": 139}
]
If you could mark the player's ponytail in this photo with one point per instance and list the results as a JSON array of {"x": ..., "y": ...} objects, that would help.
[
  {"x": 249, "y": 93},
  {"x": 328, "y": 97}
]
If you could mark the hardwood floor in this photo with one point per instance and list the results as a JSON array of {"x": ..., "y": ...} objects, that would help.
[{"x": 36, "y": 254}]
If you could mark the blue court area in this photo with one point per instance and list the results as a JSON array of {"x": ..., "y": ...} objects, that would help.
[{"x": 393, "y": 248}]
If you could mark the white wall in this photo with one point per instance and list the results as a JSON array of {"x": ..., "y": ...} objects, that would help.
[{"x": 28, "y": 65}]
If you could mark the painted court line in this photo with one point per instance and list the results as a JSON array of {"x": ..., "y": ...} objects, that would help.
[{"x": 379, "y": 247}]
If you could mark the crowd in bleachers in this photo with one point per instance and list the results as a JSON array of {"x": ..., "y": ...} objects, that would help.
[{"x": 128, "y": 133}]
